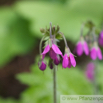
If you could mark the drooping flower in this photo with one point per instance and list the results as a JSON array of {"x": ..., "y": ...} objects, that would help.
[
  {"x": 53, "y": 51},
  {"x": 68, "y": 59},
  {"x": 95, "y": 52},
  {"x": 101, "y": 39},
  {"x": 90, "y": 71},
  {"x": 42, "y": 65},
  {"x": 81, "y": 47},
  {"x": 57, "y": 60}
]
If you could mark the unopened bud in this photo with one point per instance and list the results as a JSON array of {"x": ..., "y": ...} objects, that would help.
[{"x": 42, "y": 65}]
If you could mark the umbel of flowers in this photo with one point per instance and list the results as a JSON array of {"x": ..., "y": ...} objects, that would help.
[
  {"x": 50, "y": 37},
  {"x": 89, "y": 43}
]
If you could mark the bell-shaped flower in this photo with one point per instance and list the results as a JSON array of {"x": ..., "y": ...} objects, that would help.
[
  {"x": 95, "y": 53},
  {"x": 68, "y": 59},
  {"x": 81, "y": 47},
  {"x": 53, "y": 51}
]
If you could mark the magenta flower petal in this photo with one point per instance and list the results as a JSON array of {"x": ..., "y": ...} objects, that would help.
[
  {"x": 101, "y": 38},
  {"x": 86, "y": 49},
  {"x": 99, "y": 54},
  {"x": 52, "y": 54},
  {"x": 65, "y": 61},
  {"x": 72, "y": 60},
  {"x": 56, "y": 49},
  {"x": 42, "y": 65},
  {"x": 69, "y": 64},
  {"x": 101, "y": 34},
  {"x": 47, "y": 48},
  {"x": 93, "y": 53},
  {"x": 100, "y": 41},
  {"x": 79, "y": 48}
]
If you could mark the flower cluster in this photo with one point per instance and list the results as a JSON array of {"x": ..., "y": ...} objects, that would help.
[
  {"x": 51, "y": 36},
  {"x": 89, "y": 43}
]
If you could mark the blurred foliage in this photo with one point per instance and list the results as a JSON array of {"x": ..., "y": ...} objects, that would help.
[
  {"x": 15, "y": 37},
  {"x": 69, "y": 16},
  {"x": 9, "y": 100},
  {"x": 20, "y": 26},
  {"x": 24, "y": 19},
  {"x": 70, "y": 81}
]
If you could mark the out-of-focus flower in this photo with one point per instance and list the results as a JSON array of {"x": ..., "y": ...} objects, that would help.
[
  {"x": 95, "y": 52},
  {"x": 68, "y": 59},
  {"x": 57, "y": 60},
  {"x": 81, "y": 47},
  {"x": 101, "y": 39},
  {"x": 42, "y": 65},
  {"x": 53, "y": 51},
  {"x": 90, "y": 71}
]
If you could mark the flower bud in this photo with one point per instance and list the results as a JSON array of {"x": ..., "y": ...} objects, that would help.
[
  {"x": 57, "y": 60},
  {"x": 50, "y": 64},
  {"x": 42, "y": 65},
  {"x": 42, "y": 30}
]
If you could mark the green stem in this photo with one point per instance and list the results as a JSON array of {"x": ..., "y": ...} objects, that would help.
[
  {"x": 54, "y": 83},
  {"x": 95, "y": 82},
  {"x": 82, "y": 27},
  {"x": 64, "y": 39},
  {"x": 40, "y": 46}
]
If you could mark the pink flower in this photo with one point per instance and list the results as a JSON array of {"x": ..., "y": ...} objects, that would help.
[
  {"x": 53, "y": 51},
  {"x": 95, "y": 52},
  {"x": 90, "y": 71},
  {"x": 101, "y": 39},
  {"x": 68, "y": 61},
  {"x": 42, "y": 65},
  {"x": 82, "y": 46}
]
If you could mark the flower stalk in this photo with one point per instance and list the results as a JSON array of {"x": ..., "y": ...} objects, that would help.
[
  {"x": 66, "y": 45},
  {"x": 40, "y": 46},
  {"x": 95, "y": 83},
  {"x": 54, "y": 83}
]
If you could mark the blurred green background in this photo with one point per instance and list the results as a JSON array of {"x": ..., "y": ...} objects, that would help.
[{"x": 21, "y": 81}]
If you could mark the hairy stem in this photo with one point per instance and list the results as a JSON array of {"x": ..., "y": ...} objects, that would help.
[
  {"x": 54, "y": 83},
  {"x": 40, "y": 46},
  {"x": 50, "y": 30},
  {"x": 94, "y": 35},
  {"x": 95, "y": 82},
  {"x": 64, "y": 39},
  {"x": 82, "y": 27}
]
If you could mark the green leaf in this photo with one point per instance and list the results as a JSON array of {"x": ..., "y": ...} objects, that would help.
[{"x": 15, "y": 36}]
